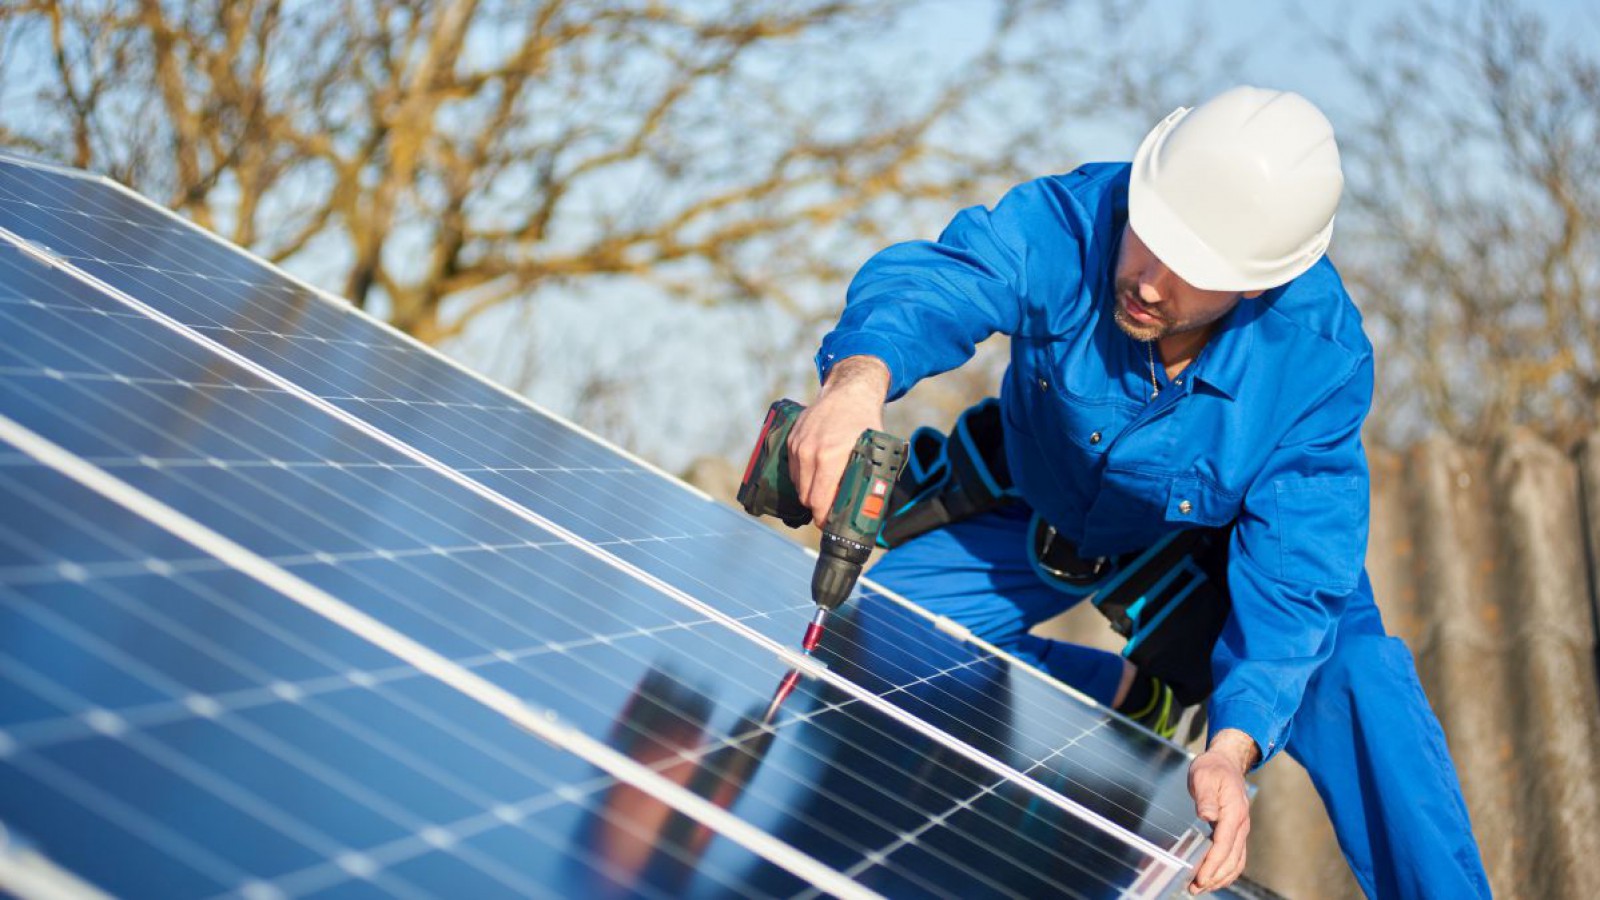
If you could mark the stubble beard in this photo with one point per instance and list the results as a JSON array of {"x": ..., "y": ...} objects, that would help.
[{"x": 1139, "y": 331}]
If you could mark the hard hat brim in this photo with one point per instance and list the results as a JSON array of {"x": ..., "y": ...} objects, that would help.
[{"x": 1183, "y": 251}]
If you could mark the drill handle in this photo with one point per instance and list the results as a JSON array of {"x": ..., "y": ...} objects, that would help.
[{"x": 862, "y": 501}]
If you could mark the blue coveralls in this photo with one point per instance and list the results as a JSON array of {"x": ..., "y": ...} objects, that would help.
[{"x": 1263, "y": 430}]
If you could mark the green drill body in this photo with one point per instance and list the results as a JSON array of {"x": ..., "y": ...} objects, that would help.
[{"x": 854, "y": 519}]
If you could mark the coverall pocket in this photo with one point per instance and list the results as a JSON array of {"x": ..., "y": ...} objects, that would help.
[{"x": 1323, "y": 528}]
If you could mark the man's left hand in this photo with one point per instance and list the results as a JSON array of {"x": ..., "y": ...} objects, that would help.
[{"x": 1216, "y": 781}]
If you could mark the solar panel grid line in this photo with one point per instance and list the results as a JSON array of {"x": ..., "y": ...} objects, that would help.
[
  {"x": 789, "y": 654},
  {"x": 29, "y": 874},
  {"x": 516, "y": 400},
  {"x": 380, "y": 635}
]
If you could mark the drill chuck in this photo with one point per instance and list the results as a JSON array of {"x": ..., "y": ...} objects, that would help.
[{"x": 839, "y": 563}]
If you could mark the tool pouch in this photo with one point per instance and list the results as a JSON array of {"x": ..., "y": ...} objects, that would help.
[
  {"x": 1169, "y": 601},
  {"x": 951, "y": 477}
]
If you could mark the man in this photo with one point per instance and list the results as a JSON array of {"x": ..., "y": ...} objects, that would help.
[{"x": 1183, "y": 356}]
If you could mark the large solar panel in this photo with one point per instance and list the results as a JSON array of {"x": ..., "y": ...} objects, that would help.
[{"x": 338, "y": 460}]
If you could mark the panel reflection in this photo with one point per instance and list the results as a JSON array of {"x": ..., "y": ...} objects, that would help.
[
  {"x": 665, "y": 725},
  {"x": 904, "y": 819}
]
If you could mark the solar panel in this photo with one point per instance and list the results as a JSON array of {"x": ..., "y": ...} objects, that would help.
[{"x": 346, "y": 461}]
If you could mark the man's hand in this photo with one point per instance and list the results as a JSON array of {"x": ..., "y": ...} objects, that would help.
[
  {"x": 1216, "y": 780},
  {"x": 823, "y": 436}
]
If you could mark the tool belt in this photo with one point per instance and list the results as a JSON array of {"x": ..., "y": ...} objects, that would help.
[
  {"x": 951, "y": 477},
  {"x": 1169, "y": 601}
]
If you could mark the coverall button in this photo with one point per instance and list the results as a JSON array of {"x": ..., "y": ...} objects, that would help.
[
  {"x": 1044, "y": 385},
  {"x": 1185, "y": 507},
  {"x": 1094, "y": 438}
]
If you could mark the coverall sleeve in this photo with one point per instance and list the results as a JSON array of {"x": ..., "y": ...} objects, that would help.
[
  {"x": 1297, "y": 556},
  {"x": 923, "y": 306}
]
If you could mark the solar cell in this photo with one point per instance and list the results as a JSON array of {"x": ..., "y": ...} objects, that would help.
[{"x": 636, "y": 593}]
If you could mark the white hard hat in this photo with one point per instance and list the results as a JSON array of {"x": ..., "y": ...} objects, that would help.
[{"x": 1238, "y": 194}]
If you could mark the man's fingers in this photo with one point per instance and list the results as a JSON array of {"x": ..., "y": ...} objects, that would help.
[
  {"x": 1234, "y": 866},
  {"x": 1221, "y": 800},
  {"x": 1224, "y": 865},
  {"x": 1224, "y": 849},
  {"x": 824, "y": 485},
  {"x": 800, "y": 463},
  {"x": 819, "y": 449}
]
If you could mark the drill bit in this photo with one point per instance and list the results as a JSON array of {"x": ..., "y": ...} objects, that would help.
[{"x": 814, "y": 631}]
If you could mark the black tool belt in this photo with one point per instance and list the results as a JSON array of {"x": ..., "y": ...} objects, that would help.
[{"x": 1169, "y": 601}]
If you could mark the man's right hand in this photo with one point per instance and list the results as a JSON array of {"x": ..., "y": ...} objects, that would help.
[{"x": 820, "y": 442}]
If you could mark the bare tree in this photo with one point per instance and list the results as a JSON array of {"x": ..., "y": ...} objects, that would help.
[
  {"x": 1475, "y": 229},
  {"x": 434, "y": 160}
]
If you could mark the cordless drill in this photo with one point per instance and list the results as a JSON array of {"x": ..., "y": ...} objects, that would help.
[{"x": 854, "y": 520}]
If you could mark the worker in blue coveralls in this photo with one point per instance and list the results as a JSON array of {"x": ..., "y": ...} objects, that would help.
[{"x": 1183, "y": 356}]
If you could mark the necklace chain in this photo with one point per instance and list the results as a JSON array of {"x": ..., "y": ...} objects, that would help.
[{"x": 1155, "y": 386}]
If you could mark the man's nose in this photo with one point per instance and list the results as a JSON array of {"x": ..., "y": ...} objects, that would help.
[
  {"x": 1153, "y": 283},
  {"x": 1156, "y": 281}
]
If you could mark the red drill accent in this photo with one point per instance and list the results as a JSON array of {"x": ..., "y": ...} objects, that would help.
[{"x": 813, "y": 635}]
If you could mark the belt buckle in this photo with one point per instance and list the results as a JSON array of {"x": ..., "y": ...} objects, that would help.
[{"x": 1078, "y": 577}]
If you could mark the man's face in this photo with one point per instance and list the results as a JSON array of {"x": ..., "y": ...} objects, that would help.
[{"x": 1153, "y": 302}]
